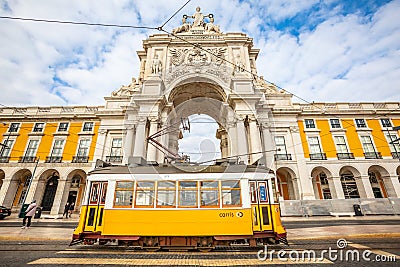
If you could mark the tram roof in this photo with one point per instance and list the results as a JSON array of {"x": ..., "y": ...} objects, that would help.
[{"x": 179, "y": 168}]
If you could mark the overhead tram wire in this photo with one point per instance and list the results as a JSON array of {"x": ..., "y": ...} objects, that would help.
[
  {"x": 176, "y": 36},
  {"x": 160, "y": 28},
  {"x": 78, "y": 23}
]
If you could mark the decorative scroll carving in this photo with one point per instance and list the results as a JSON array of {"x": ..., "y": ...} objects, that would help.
[{"x": 265, "y": 86}]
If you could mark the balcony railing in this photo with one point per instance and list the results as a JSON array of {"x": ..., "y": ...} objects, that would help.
[
  {"x": 116, "y": 159},
  {"x": 27, "y": 159},
  {"x": 283, "y": 157},
  {"x": 396, "y": 155},
  {"x": 80, "y": 159},
  {"x": 345, "y": 155},
  {"x": 372, "y": 155},
  {"x": 53, "y": 159},
  {"x": 4, "y": 159},
  {"x": 317, "y": 156}
]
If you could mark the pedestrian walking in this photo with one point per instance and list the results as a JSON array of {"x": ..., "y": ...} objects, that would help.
[
  {"x": 30, "y": 211},
  {"x": 71, "y": 208},
  {"x": 66, "y": 210}
]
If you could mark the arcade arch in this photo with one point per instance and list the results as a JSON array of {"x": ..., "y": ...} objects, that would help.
[
  {"x": 287, "y": 186},
  {"x": 320, "y": 183},
  {"x": 2, "y": 176},
  {"x": 17, "y": 189},
  {"x": 350, "y": 180}
]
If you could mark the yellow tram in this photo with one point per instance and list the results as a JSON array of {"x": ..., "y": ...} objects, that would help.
[{"x": 188, "y": 206}]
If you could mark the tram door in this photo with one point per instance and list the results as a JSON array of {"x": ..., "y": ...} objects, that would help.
[
  {"x": 95, "y": 208},
  {"x": 260, "y": 205}
]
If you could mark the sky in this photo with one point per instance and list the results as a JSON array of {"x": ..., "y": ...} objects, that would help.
[{"x": 321, "y": 51}]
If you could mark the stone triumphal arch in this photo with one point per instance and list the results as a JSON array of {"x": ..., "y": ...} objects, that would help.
[{"x": 196, "y": 70}]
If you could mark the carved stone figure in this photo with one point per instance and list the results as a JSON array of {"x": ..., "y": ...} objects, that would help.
[
  {"x": 270, "y": 87},
  {"x": 239, "y": 66},
  {"x": 211, "y": 27},
  {"x": 127, "y": 90},
  {"x": 156, "y": 65},
  {"x": 184, "y": 27},
  {"x": 198, "y": 18}
]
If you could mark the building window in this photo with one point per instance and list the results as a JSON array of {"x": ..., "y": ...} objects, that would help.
[
  {"x": 309, "y": 123},
  {"x": 188, "y": 194},
  {"x": 123, "y": 194},
  {"x": 209, "y": 194},
  {"x": 144, "y": 194},
  {"x": 375, "y": 184},
  {"x": 326, "y": 192},
  {"x": 386, "y": 123},
  {"x": 335, "y": 123},
  {"x": 83, "y": 149},
  {"x": 394, "y": 145},
  {"x": 31, "y": 149},
  {"x": 116, "y": 151},
  {"x": 367, "y": 144},
  {"x": 166, "y": 194},
  {"x": 360, "y": 123},
  {"x": 57, "y": 148},
  {"x": 280, "y": 145},
  {"x": 349, "y": 186},
  {"x": 38, "y": 128},
  {"x": 14, "y": 127},
  {"x": 5, "y": 150},
  {"x": 63, "y": 126},
  {"x": 231, "y": 193},
  {"x": 88, "y": 126},
  {"x": 341, "y": 146}
]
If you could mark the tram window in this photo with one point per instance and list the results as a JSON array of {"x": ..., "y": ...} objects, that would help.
[
  {"x": 274, "y": 192},
  {"x": 94, "y": 193},
  {"x": 209, "y": 192},
  {"x": 123, "y": 194},
  {"x": 188, "y": 194},
  {"x": 103, "y": 194},
  {"x": 92, "y": 212},
  {"x": 166, "y": 194},
  {"x": 230, "y": 193},
  {"x": 253, "y": 192},
  {"x": 144, "y": 194}
]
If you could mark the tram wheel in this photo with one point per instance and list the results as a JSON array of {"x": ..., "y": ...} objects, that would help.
[
  {"x": 204, "y": 249},
  {"x": 152, "y": 249}
]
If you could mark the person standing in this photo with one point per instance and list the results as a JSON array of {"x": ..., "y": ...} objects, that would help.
[
  {"x": 30, "y": 211},
  {"x": 71, "y": 208},
  {"x": 66, "y": 210}
]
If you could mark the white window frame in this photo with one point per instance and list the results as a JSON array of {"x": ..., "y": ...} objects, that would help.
[
  {"x": 306, "y": 124},
  {"x": 18, "y": 128},
  {"x": 120, "y": 154},
  {"x": 394, "y": 147},
  {"x": 310, "y": 144},
  {"x": 59, "y": 124},
  {"x": 360, "y": 127},
  {"x": 370, "y": 143},
  {"x": 335, "y": 126},
  {"x": 35, "y": 149},
  {"x": 42, "y": 129},
  {"x": 337, "y": 145},
  {"x": 385, "y": 126},
  {"x": 87, "y": 131},
  {"x": 79, "y": 146},
  {"x": 8, "y": 147},
  {"x": 53, "y": 146},
  {"x": 284, "y": 151}
]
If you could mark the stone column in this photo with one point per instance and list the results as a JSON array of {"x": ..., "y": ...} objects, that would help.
[
  {"x": 255, "y": 141},
  {"x": 30, "y": 195},
  {"x": 392, "y": 186},
  {"x": 241, "y": 141},
  {"x": 56, "y": 208},
  {"x": 100, "y": 145},
  {"x": 269, "y": 145},
  {"x": 128, "y": 143},
  {"x": 335, "y": 186},
  {"x": 232, "y": 139},
  {"x": 3, "y": 191},
  {"x": 140, "y": 138},
  {"x": 152, "y": 150},
  {"x": 364, "y": 187}
]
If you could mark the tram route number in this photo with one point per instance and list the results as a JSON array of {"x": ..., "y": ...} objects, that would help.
[{"x": 239, "y": 214}]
